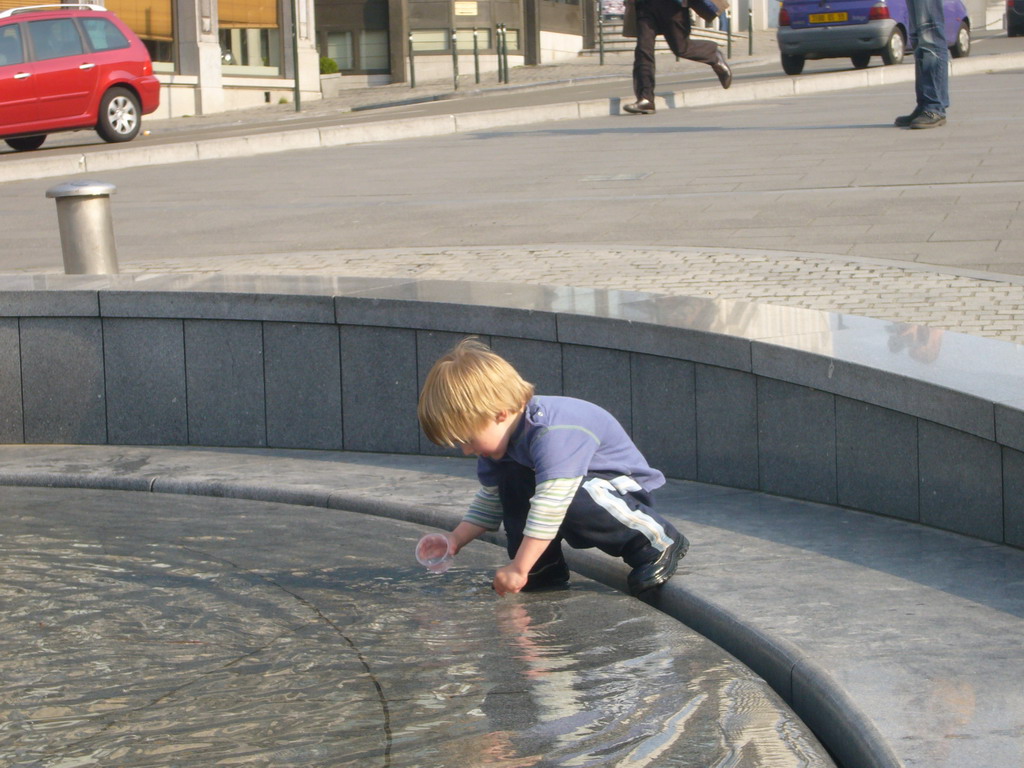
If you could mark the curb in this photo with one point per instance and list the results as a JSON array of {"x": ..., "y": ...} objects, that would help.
[
  {"x": 419, "y": 127},
  {"x": 808, "y": 688}
]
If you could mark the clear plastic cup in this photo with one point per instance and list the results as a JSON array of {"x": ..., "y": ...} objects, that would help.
[{"x": 434, "y": 552}]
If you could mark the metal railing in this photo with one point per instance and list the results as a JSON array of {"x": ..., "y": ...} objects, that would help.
[{"x": 500, "y": 38}]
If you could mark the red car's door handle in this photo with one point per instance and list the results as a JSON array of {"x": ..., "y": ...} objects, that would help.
[
  {"x": 86, "y": 66},
  {"x": 22, "y": 75}
]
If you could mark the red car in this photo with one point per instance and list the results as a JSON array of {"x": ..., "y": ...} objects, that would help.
[{"x": 69, "y": 67}]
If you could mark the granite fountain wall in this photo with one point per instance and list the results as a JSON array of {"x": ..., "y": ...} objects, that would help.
[{"x": 883, "y": 417}]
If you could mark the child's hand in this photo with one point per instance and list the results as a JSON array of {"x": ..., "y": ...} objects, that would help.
[{"x": 508, "y": 579}]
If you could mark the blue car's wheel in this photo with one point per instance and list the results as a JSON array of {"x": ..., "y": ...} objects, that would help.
[
  {"x": 962, "y": 46},
  {"x": 894, "y": 49},
  {"x": 792, "y": 64}
]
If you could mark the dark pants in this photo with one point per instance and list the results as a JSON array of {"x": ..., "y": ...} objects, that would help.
[
  {"x": 620, "y": 524},
  {"x": 672, "y": 21}
]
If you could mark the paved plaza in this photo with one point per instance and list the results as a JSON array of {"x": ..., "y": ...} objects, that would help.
[{"x": 811, "y": 200}]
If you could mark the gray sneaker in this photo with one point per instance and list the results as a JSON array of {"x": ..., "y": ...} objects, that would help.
[{"x": 928, "y": 120}]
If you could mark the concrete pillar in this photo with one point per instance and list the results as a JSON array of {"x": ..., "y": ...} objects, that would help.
[
  {"x": 309, "y": 57},
  {"x": 398, "y": 40},
  {"x": 199, "y": 52}
]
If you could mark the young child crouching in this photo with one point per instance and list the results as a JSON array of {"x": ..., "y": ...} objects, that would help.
[{"x": 550, "y": 468}]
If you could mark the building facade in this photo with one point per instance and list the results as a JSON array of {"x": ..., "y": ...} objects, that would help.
[
  {"x": 217, "y": 55},
  {"x": 390, "y": 41}
]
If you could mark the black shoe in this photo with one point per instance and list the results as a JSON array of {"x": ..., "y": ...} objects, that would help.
[
  {"x": 654, "y": 574},
  {"x": 928, "y": 120},
  {"x": 640, "y": 107},
  {"x": 550, "y": 576},
  {"x": 904, "y": 121},
  {"x": 722, "y": 69}
]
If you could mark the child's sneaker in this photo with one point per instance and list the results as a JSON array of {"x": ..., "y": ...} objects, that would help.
[{"x": 655, "y": 573}]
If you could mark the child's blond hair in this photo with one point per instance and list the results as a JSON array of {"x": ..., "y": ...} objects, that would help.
[{"x": 466, "y": 387}]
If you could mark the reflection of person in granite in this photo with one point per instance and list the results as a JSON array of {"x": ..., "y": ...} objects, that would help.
[
  {"x": 951, "y": 704},
  {"x": 549, "y": 468},
  {"x": 921, "y": 342}
]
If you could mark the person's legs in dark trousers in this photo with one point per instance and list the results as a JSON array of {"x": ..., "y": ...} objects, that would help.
[
  {"x": 643, "y": 54},
  {"x": 516, "y": 486},
  {"x": 621, "y": 524},
  {"x": 674, "y": 21},
  {"x": 615, "y": 515}
]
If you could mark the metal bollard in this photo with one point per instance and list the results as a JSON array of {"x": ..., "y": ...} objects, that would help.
[
  {"x": 86, "y": 228},
  {"x": 412, "y": 64},
  {"x": 476, "y": 56},
  {"x": 728, "y": 21},
  {"x": 455, "y": 60}
]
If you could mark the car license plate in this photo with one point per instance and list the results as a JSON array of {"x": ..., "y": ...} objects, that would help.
[{"x": 828, "y": 18}]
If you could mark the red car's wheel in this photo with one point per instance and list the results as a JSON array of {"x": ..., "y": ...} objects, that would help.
[
  {"x": 26, "y": 143},
  {"x": 120, "y": 117}
]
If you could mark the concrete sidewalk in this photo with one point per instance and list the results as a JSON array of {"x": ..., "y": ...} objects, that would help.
[{"x": 898, "y": 644}]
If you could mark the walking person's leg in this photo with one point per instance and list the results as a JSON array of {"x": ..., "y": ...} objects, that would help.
[
  {"x": 931, "y": 65},
  {"x": 643, "y": 61},
  {"x": 675, "y": 20}
]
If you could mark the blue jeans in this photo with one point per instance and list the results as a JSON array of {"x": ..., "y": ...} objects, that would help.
[{"x": 931, "y": 55}]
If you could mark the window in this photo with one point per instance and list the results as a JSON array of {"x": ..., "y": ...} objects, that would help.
[
  {"x": 339, "y": 48},
  {"x": 248, "y": 14},
  {"x": 432, "y": 40},
  {"x": 54, "y": 38},
  {"x": 103, "y": 35},
  {"x": 424, "y": 40},
  {"x": 153, "y": 22},
  {"x": 250, "y": 39},
  {"x": 11, "y": 50},
  {"x": 6, "y": 5},
  {"x": 464, "y": 39},
  {"x": 373, "y": 50}
]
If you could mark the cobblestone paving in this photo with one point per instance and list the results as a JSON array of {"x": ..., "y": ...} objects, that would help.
[{"x": 992, "y": 308}]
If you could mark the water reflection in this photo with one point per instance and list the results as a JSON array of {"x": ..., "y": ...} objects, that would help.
[
  {"x": 141, "y": 630},
  {"x": 920, "y": 341}
]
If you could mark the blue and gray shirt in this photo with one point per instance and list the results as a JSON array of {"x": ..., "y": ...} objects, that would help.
[{"x": 562, "y": 439}]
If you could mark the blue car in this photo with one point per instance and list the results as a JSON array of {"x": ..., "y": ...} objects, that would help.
[
  {"x": 1014, "y": 18},
  {"x": 860, "y": 29}
]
